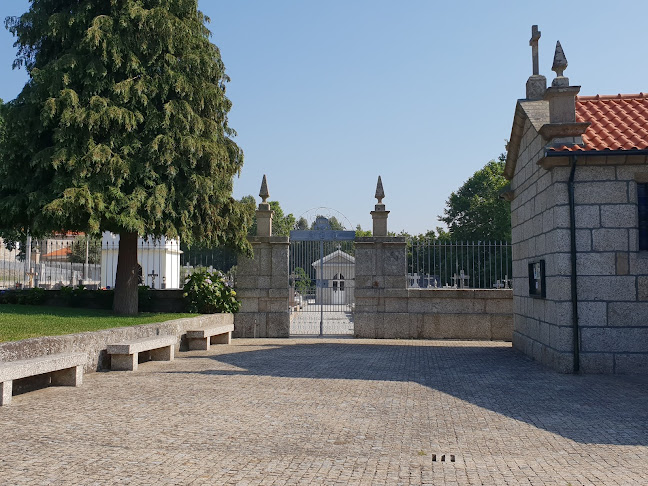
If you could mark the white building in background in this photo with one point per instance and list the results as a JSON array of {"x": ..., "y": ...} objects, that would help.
[
  {"x": 158, "y": 258},
  {"x": 336, "y": 274}
]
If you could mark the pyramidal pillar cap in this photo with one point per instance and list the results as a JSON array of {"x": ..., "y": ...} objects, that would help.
[
  {"x": 559, "y": 66},
  {"x": 380, "y": 195},
  {"x": 379, "y": 215},
  {"x": 264, "y": 214}
]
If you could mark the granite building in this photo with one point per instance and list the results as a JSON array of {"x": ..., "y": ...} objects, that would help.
[{"x": 579, "y": 211}]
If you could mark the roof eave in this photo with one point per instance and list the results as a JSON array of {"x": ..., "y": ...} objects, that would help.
[{"x": 513, "y": 146}]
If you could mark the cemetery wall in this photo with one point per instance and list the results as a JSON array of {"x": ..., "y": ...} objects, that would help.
[
  {"x": 385, "y": 309},
  {"x": 612, "y": 275},
  {"x": 434, "y": 314},
  {"x": 95, "y": 343}
]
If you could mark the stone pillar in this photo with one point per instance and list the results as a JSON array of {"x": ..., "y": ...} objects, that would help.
[
  {"x": 380, "y": 279},
  {"x": 262, "y": 280},
  {"x": 562, "y": 128}
]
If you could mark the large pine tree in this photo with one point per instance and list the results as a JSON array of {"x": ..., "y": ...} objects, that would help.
[{"x": 121, "y": 127}]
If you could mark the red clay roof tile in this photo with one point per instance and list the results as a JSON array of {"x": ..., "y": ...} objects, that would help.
[{"x": 618, "y": 122}]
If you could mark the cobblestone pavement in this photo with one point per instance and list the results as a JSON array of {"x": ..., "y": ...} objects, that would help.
[{"x": 332, "y": 411}]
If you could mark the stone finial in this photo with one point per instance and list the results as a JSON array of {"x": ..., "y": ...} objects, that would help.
[
  {"x": 263, "y": 193},
  {"x": 559, "y": 66},
  {"x": 535, "y": 37},
  {"x": 380, "y": 192}
]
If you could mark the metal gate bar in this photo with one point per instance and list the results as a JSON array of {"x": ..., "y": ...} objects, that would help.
[{"x": 322, "y": 278}]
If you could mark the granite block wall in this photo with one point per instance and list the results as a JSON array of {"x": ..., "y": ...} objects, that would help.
[
  {"x": 612, "y": 274},
  {"x": 384, "y": 308},
  {"x": 263, "y": 289}
]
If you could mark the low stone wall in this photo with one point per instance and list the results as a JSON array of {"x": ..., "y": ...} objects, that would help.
[
  {"x": 94, "y": 343},
  {"x": 434, "y": 314}
]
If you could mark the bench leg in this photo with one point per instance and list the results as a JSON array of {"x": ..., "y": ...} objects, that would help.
[
  {"x": 198, "y": 344},
  {"x": 163, "y": 354},
  {"x": 222, "y": 338},
  {"x": 6, "y": 387},
  {"x": 123, "y": 362},
  {"x": 68, "y": 377}
]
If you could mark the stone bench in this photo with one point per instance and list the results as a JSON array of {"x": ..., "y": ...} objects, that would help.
[
  {"x": 125, "y": 356},
  {"x": 202, "y": 339},
  {"x": 66, "y": 370}
]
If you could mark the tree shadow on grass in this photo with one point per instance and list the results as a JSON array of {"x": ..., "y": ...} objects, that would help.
[{"x": 587, "y": 409}]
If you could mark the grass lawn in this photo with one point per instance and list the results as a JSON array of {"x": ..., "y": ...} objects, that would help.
[{"x": 26, "y": 321}]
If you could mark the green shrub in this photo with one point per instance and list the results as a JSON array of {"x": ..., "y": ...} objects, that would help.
[
  {"x": 34, "y": 296},
  {"x": 208, "y": 293}
]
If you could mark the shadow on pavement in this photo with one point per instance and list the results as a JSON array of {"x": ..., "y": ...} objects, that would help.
[{"x": 587, "y": 409}]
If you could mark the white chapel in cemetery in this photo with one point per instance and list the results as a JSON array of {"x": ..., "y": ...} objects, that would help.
[{"x": 337, "y": 271}]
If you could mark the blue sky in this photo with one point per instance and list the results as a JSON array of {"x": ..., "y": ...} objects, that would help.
[{"x": 329, "y": 95}]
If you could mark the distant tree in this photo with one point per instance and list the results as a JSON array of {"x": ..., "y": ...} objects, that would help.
[
  {"x": 301, "y": 223},
  {"x": 475, "y": 211},
  {"x": 122, "y": 127},
  {"x": 333, "y": 221},
  {"x": 83, "y": 243},
  {"x": 361, "y": 233},
  {"x": 282, "y": 223},
  {"x": 302, "y": 281}
]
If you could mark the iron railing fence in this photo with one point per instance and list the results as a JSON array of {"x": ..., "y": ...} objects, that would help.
[
  {"x": 56, "y": 262},
  {"x": 458, "y": 264}
]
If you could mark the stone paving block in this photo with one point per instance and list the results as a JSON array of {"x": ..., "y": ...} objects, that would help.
[{"x": 333, "y": 411}]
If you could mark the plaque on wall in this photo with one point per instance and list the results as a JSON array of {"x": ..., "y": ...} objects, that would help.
[{"x": 537, "y": 280}]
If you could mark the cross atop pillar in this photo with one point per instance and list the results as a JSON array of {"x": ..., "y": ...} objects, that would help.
[
  {"x": 535, "y": 37},
  {"x": 536, "y": 84}
]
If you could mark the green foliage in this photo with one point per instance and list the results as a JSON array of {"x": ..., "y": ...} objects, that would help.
[
  {"x": 34, "y": 296},
  {"x": 362, "y": 233},
  {"x": 333, "y": 221},
  {"x": 301, "y": 224},
  {"x": 208, "y": 293},
  {"x": 122, "y": 126},
  {"x": 475, "y": 212},
  {"x": 79, "y": 246},
  {"x": 282, "y": 223},
  {"x": 302, "y": 281}
]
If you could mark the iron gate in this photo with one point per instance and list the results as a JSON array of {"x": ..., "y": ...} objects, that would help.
[{"x": 322, "y": 281}]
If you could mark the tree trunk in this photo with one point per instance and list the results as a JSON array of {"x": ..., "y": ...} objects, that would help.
[{"x": 126, "y": 299}]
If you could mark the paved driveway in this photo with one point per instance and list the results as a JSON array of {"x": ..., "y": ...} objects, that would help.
[{"x": 310, "y": 411}]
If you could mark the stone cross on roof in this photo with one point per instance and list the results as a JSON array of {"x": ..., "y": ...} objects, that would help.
[
  {"x": 263, "y": 193},
  {"x": 380, "y": 192},
  {"x": 535, "y": 37}
]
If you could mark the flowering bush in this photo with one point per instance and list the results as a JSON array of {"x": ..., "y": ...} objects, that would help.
[{"x": 209, "y": 293}]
